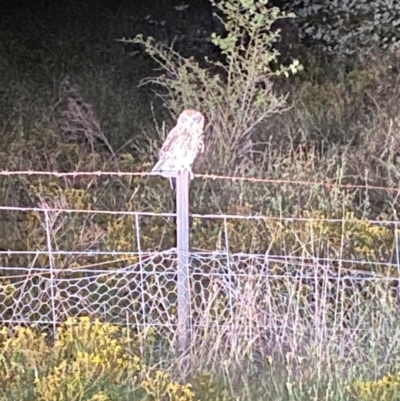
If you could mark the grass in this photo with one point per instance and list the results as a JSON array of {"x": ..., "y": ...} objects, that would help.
[
  {"x": 71, "y": 102},
  {"x": 90, "y": 360}
]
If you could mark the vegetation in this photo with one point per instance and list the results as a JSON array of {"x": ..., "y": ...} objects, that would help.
[
  {"x": 316, "y": 142},
  {"x": 348, "y": 27},
  {"x": 88, "y": 361}
]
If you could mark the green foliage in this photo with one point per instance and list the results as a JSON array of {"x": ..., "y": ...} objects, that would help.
[
  {"x": 236, "y": 94},
  {"x": 342, "y": 130},
  {"x": 334, "y": 113},
  {"x": 88, "y": 361},
  {"x": 249, "y": 40}
]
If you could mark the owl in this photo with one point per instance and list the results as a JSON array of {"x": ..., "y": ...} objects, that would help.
[{"x": 181, "y": 145}]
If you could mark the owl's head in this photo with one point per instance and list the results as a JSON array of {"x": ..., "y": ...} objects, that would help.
[{"x": 191, "y": 118}]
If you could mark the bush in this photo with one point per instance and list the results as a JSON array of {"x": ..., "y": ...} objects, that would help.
[
  {"x": 89, "y": 360},
  {"x": 346, "y": 27},
  {"x": 386, "y": 389},
  {"x": 236, "y": 93}
]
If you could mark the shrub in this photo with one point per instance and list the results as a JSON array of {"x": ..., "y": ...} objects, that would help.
[
  {"x": 387, "y": 388},
  {"x": 89, "y": 360},
  {"x": 236, "y": 93}
]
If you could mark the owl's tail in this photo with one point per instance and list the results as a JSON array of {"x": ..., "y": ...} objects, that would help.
[{"x": 165, "y": 166}]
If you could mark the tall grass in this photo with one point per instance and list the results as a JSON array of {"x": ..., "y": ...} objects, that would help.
[{"x": 330, "y": 123}]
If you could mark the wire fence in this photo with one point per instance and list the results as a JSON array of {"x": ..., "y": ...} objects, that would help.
[{"x": 259, "y": 298}]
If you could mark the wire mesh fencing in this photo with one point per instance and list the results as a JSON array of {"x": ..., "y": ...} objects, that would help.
[
  {"x": 290, "y": 299},
  {"x": 238, "y": 297}
]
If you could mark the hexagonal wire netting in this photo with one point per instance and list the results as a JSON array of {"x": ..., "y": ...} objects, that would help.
[
  {"x": 262, "y": 297},
  {"x": 259, "y": 298}
]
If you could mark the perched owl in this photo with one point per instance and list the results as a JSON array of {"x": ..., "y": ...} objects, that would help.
[{"x": 181, "y": 145}]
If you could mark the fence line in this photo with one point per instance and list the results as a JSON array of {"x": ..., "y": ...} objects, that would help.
[
  {"x": 195, "y": 215},
  {"x": 300, "y": 261},
  {"x": 281, "y": 295},
  {"x": 213, "y": 177}
]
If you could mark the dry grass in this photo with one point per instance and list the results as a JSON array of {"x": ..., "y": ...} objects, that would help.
[{"x": 339, "y": 125}]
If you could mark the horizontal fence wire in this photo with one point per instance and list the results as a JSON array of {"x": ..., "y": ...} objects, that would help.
[
  {"x": 99, "y": 173},
  {"x": 263, "y": 297}
]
